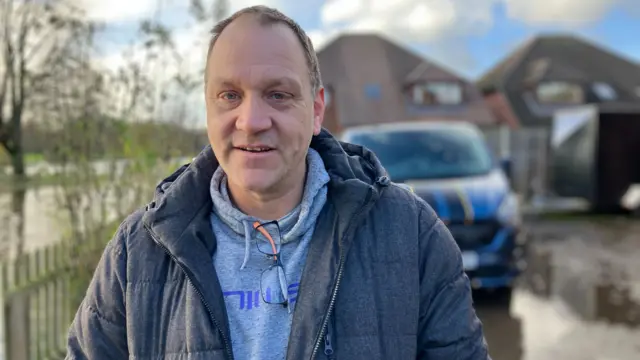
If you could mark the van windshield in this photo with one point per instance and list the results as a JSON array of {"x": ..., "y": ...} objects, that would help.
[{"x": 428, "y": 153}]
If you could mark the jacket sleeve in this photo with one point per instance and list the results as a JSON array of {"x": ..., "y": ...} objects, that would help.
[
  {"x": 448, "y": 325},
  {"x": 98, "y": 330}
]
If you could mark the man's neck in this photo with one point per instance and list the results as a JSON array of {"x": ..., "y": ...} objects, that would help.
[{"x": 271, "y": 206}]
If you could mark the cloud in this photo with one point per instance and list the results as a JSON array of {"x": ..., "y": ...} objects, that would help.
[
  {"x": 113, "y": 11},
  {"x": 453, "y": 56},
  {"x": 411, "y": 20},
  {"x": 337, "y": 11},
  {"x": 319, "y": 38},
  {"x": 566, "y": 12},
  {"x": 235, "y": 5},
  {"x": 118, "y": 10}
]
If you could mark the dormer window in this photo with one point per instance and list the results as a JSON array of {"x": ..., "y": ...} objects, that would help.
[
  {"x": 559, "y": 92},
  {"x": 436, "y": 93},
  {"x": 604, "y": 91}
]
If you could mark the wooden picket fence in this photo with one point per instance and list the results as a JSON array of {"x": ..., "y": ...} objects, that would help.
[{"x": 40, "y": 293}]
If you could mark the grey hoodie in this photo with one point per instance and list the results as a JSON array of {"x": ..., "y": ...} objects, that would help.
[{"x": 260, "y": 330}]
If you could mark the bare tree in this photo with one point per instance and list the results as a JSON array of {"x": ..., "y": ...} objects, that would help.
[
  {"x": 28, "y": 28},
  {"x": 112, "y": 149},
  {"x": 199, "y": 12},
  {"x": 28, "y": 31}
]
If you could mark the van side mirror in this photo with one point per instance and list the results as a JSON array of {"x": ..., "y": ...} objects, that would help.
[{"x": 505, "y": 164}]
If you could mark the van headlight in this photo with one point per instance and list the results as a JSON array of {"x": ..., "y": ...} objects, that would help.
[{"x": 509, "y": 211}]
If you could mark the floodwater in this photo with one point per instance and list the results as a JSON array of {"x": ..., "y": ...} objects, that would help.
[
  {"x": 579, "y": 299},
  {"x": 45, "y": 221},
  {"x": 40, "y": 218}
]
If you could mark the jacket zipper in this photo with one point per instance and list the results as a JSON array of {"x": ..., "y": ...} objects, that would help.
[
  {"x": 338, "y": 281},
  {"x": 192, "y": 283},
  {"x": 328, "y": 348}
]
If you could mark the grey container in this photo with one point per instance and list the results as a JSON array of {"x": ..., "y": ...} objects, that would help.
[{"x": 595, "y": 153}]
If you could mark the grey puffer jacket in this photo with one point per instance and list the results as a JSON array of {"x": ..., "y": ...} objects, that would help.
[{"x": 383, "y": 278}]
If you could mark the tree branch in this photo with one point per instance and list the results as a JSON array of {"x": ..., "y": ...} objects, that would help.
[
  {"x": 19, "y": 97},
  {"x": 43, "y": 40},
  {"x": 6, "y": 51}
]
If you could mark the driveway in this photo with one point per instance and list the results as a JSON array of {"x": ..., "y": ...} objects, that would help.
[{"x": 579, "y": 298}]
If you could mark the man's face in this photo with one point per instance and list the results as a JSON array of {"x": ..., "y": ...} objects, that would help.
[{"x": 261, "y": 113}]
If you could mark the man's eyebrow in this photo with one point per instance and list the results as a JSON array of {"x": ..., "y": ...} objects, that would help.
[
  {"x": 219, "y": 81},
  {"x": 282, "y": 81}
]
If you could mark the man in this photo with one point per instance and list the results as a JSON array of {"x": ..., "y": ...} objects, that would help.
[{"x": 278, "y": 241}]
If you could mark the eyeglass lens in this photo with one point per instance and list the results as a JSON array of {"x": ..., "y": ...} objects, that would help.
[
  {"x": 273, "y": 285},
  {"x": 268, "y": 238}
]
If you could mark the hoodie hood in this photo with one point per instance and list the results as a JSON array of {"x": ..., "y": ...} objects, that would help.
[{"x": 293, "y": 225}]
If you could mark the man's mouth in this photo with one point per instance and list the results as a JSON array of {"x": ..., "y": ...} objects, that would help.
[{"x": 255, "y": 149}]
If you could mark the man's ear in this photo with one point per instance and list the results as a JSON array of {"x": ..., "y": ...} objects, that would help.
[{"x": 318, "y": 111}]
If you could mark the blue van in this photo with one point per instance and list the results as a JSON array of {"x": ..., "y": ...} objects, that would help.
[{"x": 451, "y": 167}]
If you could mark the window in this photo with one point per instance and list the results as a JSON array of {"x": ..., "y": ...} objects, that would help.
[
  {"x": 428, "y": 154},
  {"x": 372, "y": 91},
  {"x": 604, "y": 91},
  {"x": 537, "y": 69},
  {"x": 436, "y": 93},
  {"x": 558, "y": 92},
  {"x": 327, "y": 96}
]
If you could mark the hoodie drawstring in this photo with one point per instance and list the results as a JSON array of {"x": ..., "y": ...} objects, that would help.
[{"x": 247, "y": 242}]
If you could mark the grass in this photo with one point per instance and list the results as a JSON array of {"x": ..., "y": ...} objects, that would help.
[
  {"x": 29, "y": 159},
  {"x": 33, "y": 158},
  {"x": 7, "y": 183}
]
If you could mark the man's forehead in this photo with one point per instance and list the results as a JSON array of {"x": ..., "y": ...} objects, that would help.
[{"x": 258, "y": 75}]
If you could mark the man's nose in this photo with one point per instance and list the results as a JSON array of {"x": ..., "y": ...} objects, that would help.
[{"x": 253, "y": 116}]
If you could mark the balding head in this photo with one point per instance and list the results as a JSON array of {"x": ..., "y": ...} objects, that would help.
[{"x": 266, "y": 16}]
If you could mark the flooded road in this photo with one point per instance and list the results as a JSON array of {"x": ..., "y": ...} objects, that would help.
[{"x": 579, "y": 299}]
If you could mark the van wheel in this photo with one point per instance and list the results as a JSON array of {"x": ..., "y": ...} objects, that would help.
[{"x": 503, "y": 296}]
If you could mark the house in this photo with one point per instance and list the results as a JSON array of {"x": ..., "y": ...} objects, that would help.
[
  {"x": 370, "y": 79},
  {"x": 548, "y": 73}
]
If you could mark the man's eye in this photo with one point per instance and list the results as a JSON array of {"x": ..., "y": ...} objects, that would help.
[
  {"x": 278, "y": 96},
  {"x": 229, "y": 96}
]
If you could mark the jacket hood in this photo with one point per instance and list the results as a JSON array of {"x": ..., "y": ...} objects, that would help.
[{"x": 353, "y": 171}]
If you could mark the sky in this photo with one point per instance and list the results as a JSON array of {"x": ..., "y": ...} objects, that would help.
[
  {"x": 465, "y": 36},
  {"x": 468, "y": 36}
]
